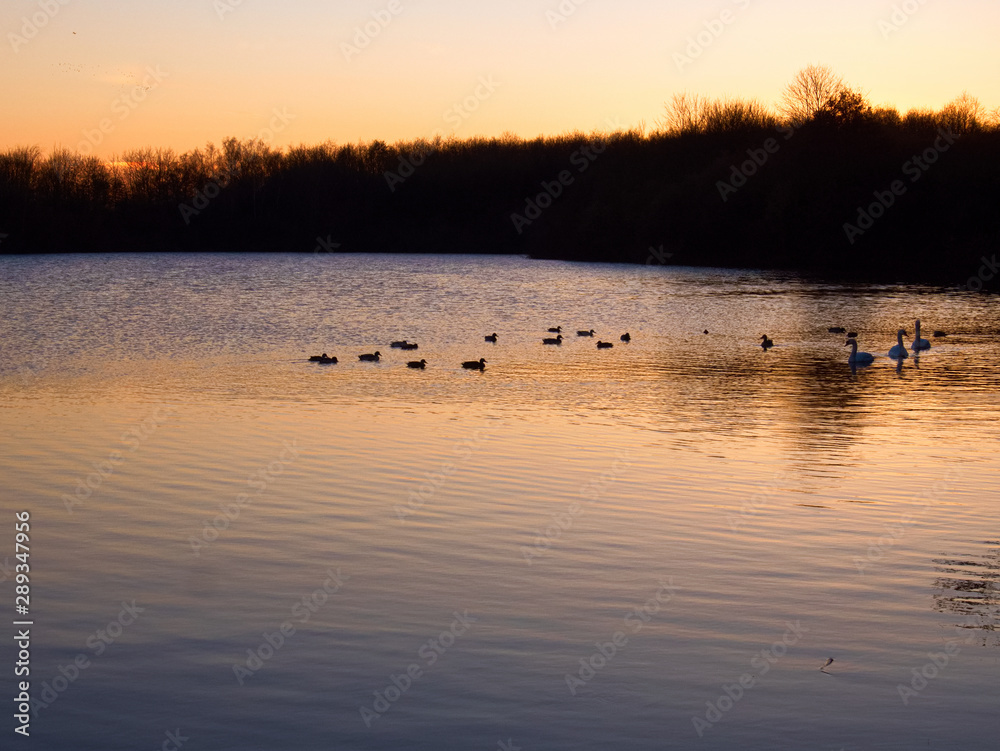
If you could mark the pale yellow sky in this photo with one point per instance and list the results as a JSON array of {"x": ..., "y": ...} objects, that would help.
[{"x": 104, "y": 76}]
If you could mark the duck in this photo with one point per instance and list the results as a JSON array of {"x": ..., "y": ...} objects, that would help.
[
  {"x": 765, "y": 342},
  {"x": 318, "y": 358},
  {"x": 556, "y": 330},
  {"x": 479, "y": 364},
  {"x": 939, "y": 334},
  {"x": 852, "y": 334},
  {"x": 491, "y": 338},
  {"x": 918, "y": 343},
  {"x": 410, "y": 345},
  {"x": 858, "y": 358},
  {"x": 900, "y": 349},
  {"x": 585, "y": 333},
  {"x": 557, "y": 340},
  {"x": 417, "y": 364},
  {"x": 399, "y": 345},
  {"x": 837, "y": 330},
  {"x": 604, "y": 345},
  {"x": 626, "y": 337},
  {"x": 705, "y": 331},
  {"x": 324, "y": 360},
  {"x": 370, "y": 358}
]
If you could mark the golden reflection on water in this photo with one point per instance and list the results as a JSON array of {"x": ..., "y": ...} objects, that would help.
[{"x": 548, "y": 495}]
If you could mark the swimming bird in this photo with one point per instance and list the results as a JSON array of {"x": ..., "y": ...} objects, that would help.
[
  {"x": 556, "y": 330},
  {"x": 900, "y": 349},
  {"x": 626, "y": 337},
  {"x": 939, "y": 334},
  {"x": 492, "y": 338},
  {"x": 399, "y": 345},
  {"x": 317, "y": 358},
  {"x": 479, "y": 364},
  {"x": 410, "y": 345},
  {"x": 837, "y": 330},
  {"x": 417, "y": 364},
  {"x": 604, "y": 345},
  {"x": 705, "y": 331},
  {"x": 852, "y": 334},
  {"x": 828, "y": 663},
  {"x": 557, "y": 340},
  {"x": 765, "y": 342},
  {"x": 585, "y": 333},
  {"x": 918, "y": 343},
  {"x": 858, "y": 358},
  {"x": 324, "y": 360},
  {"x": 370, "y": 358}
]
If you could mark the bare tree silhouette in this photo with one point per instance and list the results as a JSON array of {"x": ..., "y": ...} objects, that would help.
[
  {"x": 963, "y": 114},
  {"x": 811, "y": 89}
]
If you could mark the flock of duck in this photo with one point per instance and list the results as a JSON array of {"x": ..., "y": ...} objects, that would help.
[
  {"x": 897, "y": 352},
  {"x": 479, "y": 364}
]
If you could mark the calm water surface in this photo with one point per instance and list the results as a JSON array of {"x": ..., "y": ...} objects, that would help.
[{"x": 691, "y": 506}]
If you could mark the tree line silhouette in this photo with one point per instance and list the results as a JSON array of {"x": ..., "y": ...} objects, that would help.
[{"x": 717, "y": 182}]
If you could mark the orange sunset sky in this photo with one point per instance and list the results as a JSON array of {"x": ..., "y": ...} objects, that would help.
[{"x": 105, "y": 76}]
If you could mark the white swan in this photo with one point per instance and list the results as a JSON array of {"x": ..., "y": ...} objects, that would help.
[
  {"x": 919, "y": 343},
  {"x": 858, "y": 358},
  {"x": 899, "y": 351}
]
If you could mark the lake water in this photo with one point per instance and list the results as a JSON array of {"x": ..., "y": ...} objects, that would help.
[{"x": 654, "y": 546}]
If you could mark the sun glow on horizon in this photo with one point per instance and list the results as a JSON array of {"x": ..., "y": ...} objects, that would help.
[{"x": 99, "y": 80}]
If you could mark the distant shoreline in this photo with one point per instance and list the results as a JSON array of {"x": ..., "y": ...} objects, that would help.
[{"x": 877, "y": 201}]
